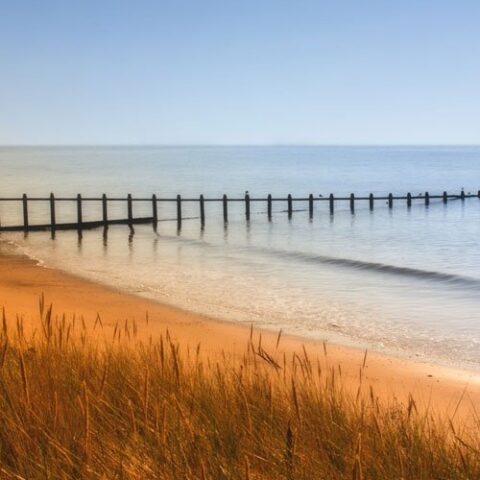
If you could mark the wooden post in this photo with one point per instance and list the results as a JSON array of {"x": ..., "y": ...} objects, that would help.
[
  {"x": 129, "y": 208},
  {"x": 225, "y": 209},
  {"x": 202, "y": 211},
  {"x": 179, "y": 212},
  {"x": 79, "y": 212},
  {"x": 427, "y": 199},
  {"x": 289, "y": 205},
  {"x": 462, "y": 195},
  {"x": 104, "y": 210},
  {"x": 409, "y": 199},
  {"x": 330, "y": 201},
  {"x": 352, "y": 202},
  {"x": 154, "y": 211},
  {"x": 247, "y": 207},
  {"x": 390, "y": 200},
  {"x": 478, "y": 194},
  {"x": 310, "y": 206},
  {"x": 25, "y": 212},
  {"x": 52, "y": 212},
  {"x": 445, "y": 197},
  {"x": 370, "y": 201},
  {"x": 269, "y": 206}
]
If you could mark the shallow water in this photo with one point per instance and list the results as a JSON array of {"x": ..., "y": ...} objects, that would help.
[{"x": 403, "y": 280}]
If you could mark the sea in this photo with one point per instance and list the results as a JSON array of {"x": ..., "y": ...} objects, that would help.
[{"x": 403, "y": 281}]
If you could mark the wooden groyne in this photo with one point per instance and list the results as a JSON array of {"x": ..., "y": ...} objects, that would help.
[{"x": 130, "y": 219}]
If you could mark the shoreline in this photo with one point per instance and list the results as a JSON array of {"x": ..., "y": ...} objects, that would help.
[
  {"x": 334, "y": 338},
  {"x": 22, "y": 282},
  {"x": 242, "y": 315}
]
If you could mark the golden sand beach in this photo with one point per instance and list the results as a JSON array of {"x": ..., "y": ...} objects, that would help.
[{"x": 22, "y": 282}]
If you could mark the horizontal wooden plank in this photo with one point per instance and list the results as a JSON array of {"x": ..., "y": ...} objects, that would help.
[
  {"x": 231, "y": 199},
  {"x": 75, "y": 225}
]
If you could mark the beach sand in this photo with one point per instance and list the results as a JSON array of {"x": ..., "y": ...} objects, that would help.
[{"x": 22, "y": 282}]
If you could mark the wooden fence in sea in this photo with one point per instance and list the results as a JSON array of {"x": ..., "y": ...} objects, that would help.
[{"x": 80, "y": 224}]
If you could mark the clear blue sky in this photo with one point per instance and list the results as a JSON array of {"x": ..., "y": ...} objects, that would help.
[{"x": 239, "y": 72}]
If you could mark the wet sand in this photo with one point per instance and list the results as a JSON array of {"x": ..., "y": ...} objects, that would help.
[{"x": 22, "y": 282}]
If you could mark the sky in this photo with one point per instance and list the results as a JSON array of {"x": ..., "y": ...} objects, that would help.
[{"x": 239, "y": 72}]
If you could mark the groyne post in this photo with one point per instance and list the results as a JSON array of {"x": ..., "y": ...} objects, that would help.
[
  {"x": 310, "y": 206},
  {"x": 427, "y": 199},
  {"x": 79, "y": 211},
  {"x": 290, "y": 205},
  {"x": 179, "y": 212},
  {"x": 225, "y": 208},
  {"x": 154, "y": 211},
  {"x": 25, "y": 212},
  {"x": 269, "y": 207},
  {"x": 330, "y": 201},
  {"x": 409, "y": 199},
  {"x": 104, "y": 210},
  {"x": 352, "y": 202},
  {"x": 370, "y": 201},
  {"x": 445, "y": 197},
  {"x": 247, "y": 207},
  {"x": 130, "y": 209},
  {"x": 202, "y": 211},
  {"x": 52, "y": 212},
  {"x": 390, "y": 200}
]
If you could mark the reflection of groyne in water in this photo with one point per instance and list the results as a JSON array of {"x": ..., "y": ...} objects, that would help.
[{"x": 130, "y": 219}]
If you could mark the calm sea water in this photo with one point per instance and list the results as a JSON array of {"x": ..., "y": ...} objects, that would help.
[{"x": 404, "y": 281}]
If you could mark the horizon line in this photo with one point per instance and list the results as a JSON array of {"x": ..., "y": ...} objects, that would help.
[{"x": 186, "y": 145}]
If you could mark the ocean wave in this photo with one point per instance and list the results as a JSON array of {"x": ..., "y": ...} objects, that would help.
[
  {"x": 312, "y": 258},
  {"x": 373, "y": 266}
]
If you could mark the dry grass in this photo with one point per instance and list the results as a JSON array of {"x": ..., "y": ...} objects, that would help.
[{"x": 73, "y": 407}]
